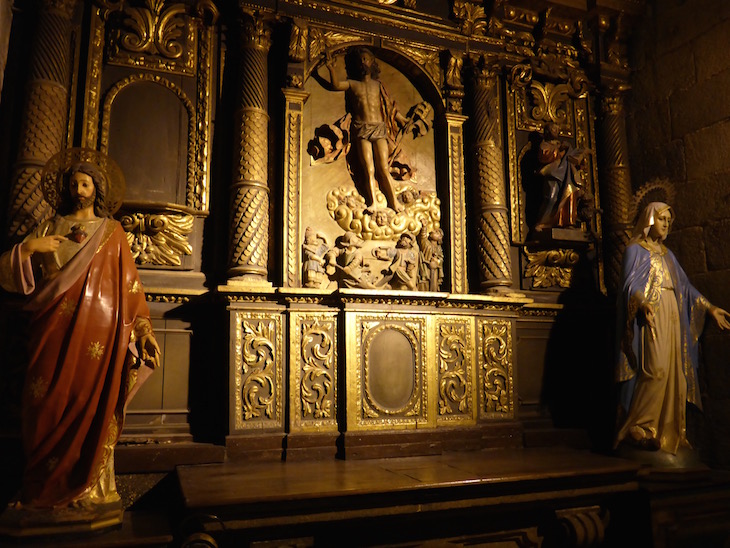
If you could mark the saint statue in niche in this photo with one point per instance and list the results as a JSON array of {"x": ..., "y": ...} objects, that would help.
[
  {"x": 91, "y": 344},
  {"x": 660, "y": 318},
  {"x": 561, "y": 169}
]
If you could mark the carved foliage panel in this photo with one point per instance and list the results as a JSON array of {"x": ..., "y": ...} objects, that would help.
[
  {"x": 154, "y": 34},
  {"x": 495, "y": 369},
  {"x": 257, "y": 376},
  {"x": 313, "y": 372},
  {"x": 387, "y": 372},
  {"x": 455, "y": 358}
]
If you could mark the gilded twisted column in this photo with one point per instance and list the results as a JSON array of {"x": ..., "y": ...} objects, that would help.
[
  {"x": 615, "y": 178},
  {"x": 493, "y": 241},
  {"x": 44, "y": 115},
  {"x": 249, "y": 194}
]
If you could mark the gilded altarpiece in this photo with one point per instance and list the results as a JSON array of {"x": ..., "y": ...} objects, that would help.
[{"x": 321, "y": 192}]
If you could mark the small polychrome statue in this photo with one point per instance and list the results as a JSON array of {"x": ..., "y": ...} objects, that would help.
[
  {"x": 91, "y": 346},
  {"x": 561, "y": 172},
  {"x": 660, "y": 317}
]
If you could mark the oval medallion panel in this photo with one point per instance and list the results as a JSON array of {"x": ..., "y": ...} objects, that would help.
[{"x": 391, "y": 370}]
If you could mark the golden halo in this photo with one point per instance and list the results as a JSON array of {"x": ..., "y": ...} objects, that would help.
[{"x": 52, "y": 176}]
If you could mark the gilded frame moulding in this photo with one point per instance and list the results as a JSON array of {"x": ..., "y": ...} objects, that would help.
[
  {"x": 258, "y": 363},
  {"x": 457, "y": 203},
  {"x": 313, "y": 387},
  {"x": 495, "y": 365},
  {"x": 363, "y": 413},
  {"x": 94, "y": 64},
  {"x": 294, "y": 130},
  {"x": 455, "y": 355}
]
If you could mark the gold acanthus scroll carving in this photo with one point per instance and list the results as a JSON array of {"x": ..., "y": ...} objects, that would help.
[
  {"x": 155, "y": 36},
  {"x": 496, "y": 347},
  {"x": 454, "y": 385},
  {"x": 257, "y": 353},
  {"x": 471, "y": 17},
  {"x": 318, "y": 361},
  {"x": 158, "y": 239},
  {"x": 550, "y": 268},
  {"x": 320, "y": 41}
]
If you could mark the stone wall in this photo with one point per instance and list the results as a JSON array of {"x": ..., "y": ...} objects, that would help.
[{"x": 679, "y": 129}]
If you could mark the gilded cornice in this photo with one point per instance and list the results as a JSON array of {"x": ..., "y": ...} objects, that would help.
[
  {"x": 347, "y": 297},
  {"x": 546, "y": 34}
]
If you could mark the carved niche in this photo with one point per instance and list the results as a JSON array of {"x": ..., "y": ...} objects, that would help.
[
  {"x": 148, "y": 104},
  {"x": 327, "y": 184}
]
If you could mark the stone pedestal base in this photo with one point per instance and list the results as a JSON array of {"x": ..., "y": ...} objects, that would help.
[{"x": 21, "y": 522}]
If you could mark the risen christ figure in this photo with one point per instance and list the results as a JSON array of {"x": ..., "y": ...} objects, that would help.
[{"x": 372, "y": 113}]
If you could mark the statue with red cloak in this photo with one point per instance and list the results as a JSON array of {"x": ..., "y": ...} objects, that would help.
[{"x": 91, "y": 346}]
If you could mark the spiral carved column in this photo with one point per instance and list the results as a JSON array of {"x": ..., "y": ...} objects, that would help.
[
  {"x": 45, "y": 114},
  {"x": 493, "y": 241},
  {"x": 249, "y": 194},
  {"x": 615, "y": 180}
]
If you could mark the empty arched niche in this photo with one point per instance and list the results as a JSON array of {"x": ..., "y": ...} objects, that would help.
[{"x": 147, "y": 128}]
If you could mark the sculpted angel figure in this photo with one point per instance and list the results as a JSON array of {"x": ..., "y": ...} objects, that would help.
[
  {"x": 91, "y": 341},
  {"x": 660, "y": 317}
]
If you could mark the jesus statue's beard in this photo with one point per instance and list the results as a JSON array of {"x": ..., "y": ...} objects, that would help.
[{"x": 82, "y": 202}]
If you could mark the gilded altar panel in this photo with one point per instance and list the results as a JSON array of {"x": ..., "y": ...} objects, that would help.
[
  {"x": 313, "y": 372},
  {"x": 454, "y": 340},
  {"x": 386, "y": 371},
  {"x": 495, "y": 369},
  {"x": 258, "y": 371}
]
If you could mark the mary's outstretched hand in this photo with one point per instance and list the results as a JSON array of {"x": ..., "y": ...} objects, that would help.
[{"x": 722, "y": 317}]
